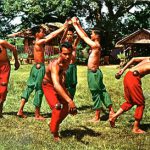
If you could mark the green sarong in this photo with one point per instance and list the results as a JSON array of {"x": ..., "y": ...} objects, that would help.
[
  {"x": 71, "y": 79},
  {"x": 98, "y": 90},
  {"x": 35, "y": 83}
]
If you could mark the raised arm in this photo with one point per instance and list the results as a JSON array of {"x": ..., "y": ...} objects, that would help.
[
  {"x": 55, "y": 33},
  {"x": 81, "y": 32},
  {"x": 52, "y": 34},
  {"x": 7, "y": 45},
  {"x": 64, "y": 36},
  {"x": 66, "y": 31},
  {"x": 76, "y": 41}
]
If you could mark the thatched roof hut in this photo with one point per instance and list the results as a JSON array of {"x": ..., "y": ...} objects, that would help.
[
  {"x": 50, "y": 48},
  {"x": 137, "y": 43},
  {"x": 26, "y": 33},
  {"x": 141, "y": 36}
]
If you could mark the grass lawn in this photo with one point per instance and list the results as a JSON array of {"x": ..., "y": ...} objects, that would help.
[{"x": 76, "y": 131}]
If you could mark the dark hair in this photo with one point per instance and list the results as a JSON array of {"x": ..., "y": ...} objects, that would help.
[
  {"x": 96, "y": 30},
  {"x": 36, "y": 29},
  {"x": 71, "y": 29},
  {"x": 66, "y": 45}
]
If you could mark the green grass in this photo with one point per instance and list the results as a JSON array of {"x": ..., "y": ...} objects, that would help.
[{"x": 77, "y": 133}]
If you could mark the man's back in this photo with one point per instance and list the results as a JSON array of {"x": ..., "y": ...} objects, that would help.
[{"x": 143, "y": 67}]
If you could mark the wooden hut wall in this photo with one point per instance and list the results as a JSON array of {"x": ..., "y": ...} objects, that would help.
[
  {"x": 139, "y": 38},
  {"x": 26, "y": 46}
]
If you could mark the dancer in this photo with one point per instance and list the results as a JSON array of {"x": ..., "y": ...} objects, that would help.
[
  {"x": 38, "y": 70},
  {"x": 95, "y": 76},
  {"x": 71, "y": 75},
  {"x": 5, "y": 69},
  {"x": 55, "y": 91},
  {"x": 133, "y": 90}
]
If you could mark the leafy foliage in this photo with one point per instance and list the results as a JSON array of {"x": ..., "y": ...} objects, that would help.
[
  {"x": 121, "y": 55},
  {"x": 114, "y": 22},
  {"x": 5, "y": 25},
  {"x": 23, "y": 55},
  {"x": 82, "y": 53},
  {"x": 111, "y": 22},
  {"x": 36, "y": 12}
]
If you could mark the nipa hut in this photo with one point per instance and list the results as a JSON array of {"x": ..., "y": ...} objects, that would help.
[
  {"x": 50, "y": 48},
  {"x": 136, "y": 44}
]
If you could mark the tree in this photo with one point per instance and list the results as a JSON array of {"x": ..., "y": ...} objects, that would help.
[
  {"x": 40, "y": 11},
  {"x": 5, "y": 26},
  {"x": 117, "y": 20},
  {"x": 113, "y": 23}
]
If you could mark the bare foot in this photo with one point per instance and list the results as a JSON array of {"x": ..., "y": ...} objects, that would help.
[
  {"x": 39, "y": 118},
  {"x": 57, "y": 139},
  {"x": 94, "y": 120},
  {"x": 21, "y": 114},
  {"x": 112, "y": 121},
  {"x": 138, "y": 131},
  {"x": 111, "y": 113}
]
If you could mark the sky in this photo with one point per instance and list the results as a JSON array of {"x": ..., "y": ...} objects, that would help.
[{"x": 16, "y": 21}]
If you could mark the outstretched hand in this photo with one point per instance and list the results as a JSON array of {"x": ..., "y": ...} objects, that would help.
[
  {"x": 120, "y": 71},
  {"x": 118, "y": 75}
]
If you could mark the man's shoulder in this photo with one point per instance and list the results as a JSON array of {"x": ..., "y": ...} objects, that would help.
[
  {"x": 96, "y": 48},
  {"x": 40, "y": 42},
  {"x": 2, "y": 41},
  {"x": 55, "y": 65},
  {"x": 96, "y": 45},
  {"x": 54, "y": 62}
]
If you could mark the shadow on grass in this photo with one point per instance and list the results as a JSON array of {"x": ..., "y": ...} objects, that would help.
[
  {"x": 28, "y": 114},
  {"x": 145, "y": 127},
  {"x": 105, "y": 117},
  {"x": 85, "y": 107},
  {"x": 79, "y": 133}
]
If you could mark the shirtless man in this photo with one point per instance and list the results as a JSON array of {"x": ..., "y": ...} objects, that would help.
[
  {"x": 38, "y": 70},
  {"x": 133, "y": 90},
  {"x": 95, "y": 76},
  {"x": 5, "y": 70},
  {"x": 71, "y": 75},
  {"x": 55, "y": 91}
]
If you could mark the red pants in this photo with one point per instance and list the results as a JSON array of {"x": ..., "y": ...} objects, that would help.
[
  {"x": 4, "y": 78},
  {"x": 133, "y": 95},
  {"x": 52, "y": 99}
]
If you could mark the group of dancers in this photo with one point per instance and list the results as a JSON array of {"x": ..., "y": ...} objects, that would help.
[{"x": 58, "y": 80}]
